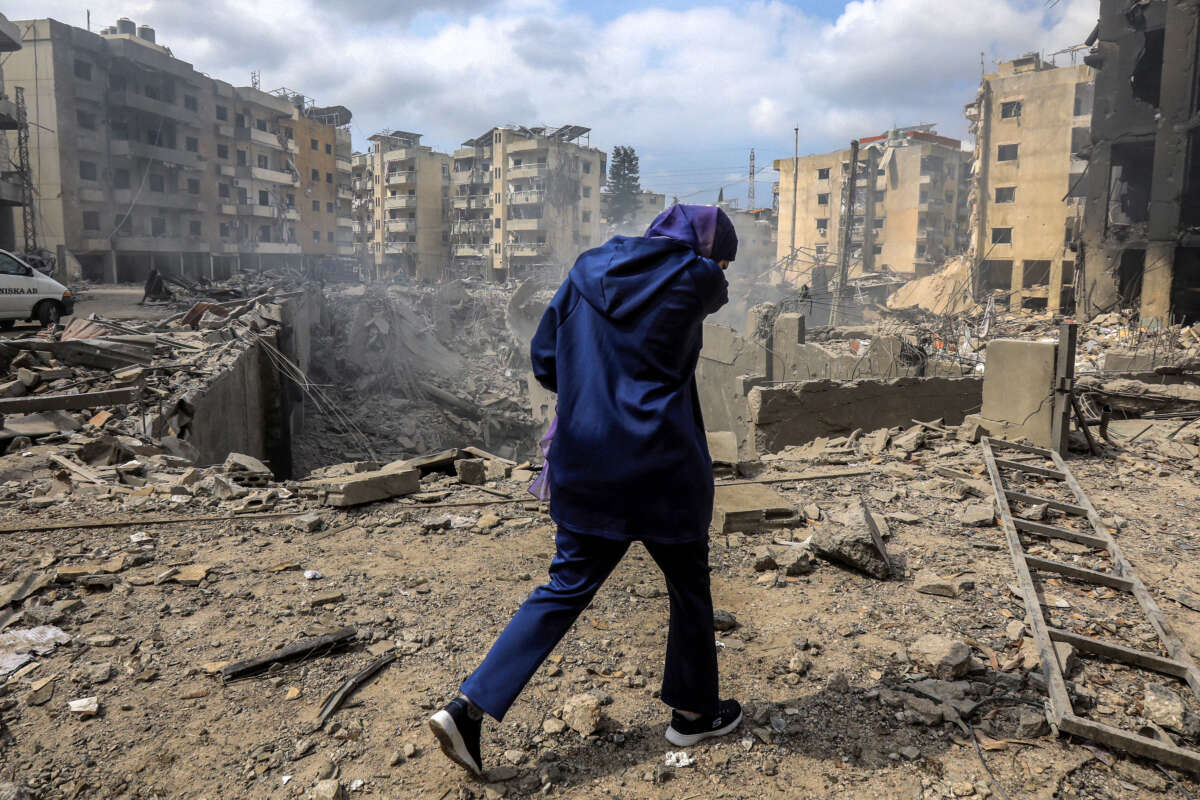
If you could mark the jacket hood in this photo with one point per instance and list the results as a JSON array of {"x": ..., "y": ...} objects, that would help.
[{"x": 626, "y": 273}]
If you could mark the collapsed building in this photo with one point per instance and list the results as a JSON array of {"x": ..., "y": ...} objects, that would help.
[{"x": 1140, "y": 246}]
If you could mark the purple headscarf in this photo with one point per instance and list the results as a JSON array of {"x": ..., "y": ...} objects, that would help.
[{"x": 705, "y": 229}]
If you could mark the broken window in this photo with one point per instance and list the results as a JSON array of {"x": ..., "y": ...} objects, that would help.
[
  {"x": 932, "y": 165},
  {"x": 822, "y": 249},
  {"x": 91, "y": 220},
  {"x": 328, "y": 149},
  {"x": 823, "y": 225},
  {"x": 823, "y": 199},
  {"x": 995, "y": 274},
  {"x": 1185, "y": 285},
  {"x": 1002, "y": 235},
  {"x": 291, "y": 200},
  {"x": 1129, "y": 182},
  {"x": 1129, "y": 276},
  {"x": 1085, "y": 95},
  {"x": 823, "y": 174},
  {"x": 222, "y": 113},
  {"x": 1146, "y": 79},
  {"x": 263, "y": 162},
  {"x": 1006, "y": 194},
  {"x": 261, "y": 124},
  {"x": 1010, "y": 109},
  {"x": 264, "y": 197},
  {"x": 1035, "y": 273},
  {"x": 87, "y": 170},
  {"x": 1007, "y": 152}
]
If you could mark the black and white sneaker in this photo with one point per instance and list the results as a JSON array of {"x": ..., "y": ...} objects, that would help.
[
  {"x": 684, "y": 732},
  {"x": 457, "y": 731}
]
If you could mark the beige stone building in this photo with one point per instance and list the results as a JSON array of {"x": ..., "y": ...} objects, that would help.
[
  {"x": 11, "y": 231},
  {"x": 525, "y": 198},
  {"x": 362, "y": 185},
  {"x": 410, "y": 206},
  {"x": 1030, "y": 119},
  {"x": 907, "y": 219},
  {"x": 140, "y": 160}
]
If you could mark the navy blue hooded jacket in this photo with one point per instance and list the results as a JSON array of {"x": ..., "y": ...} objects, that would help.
[{"x": 619, "y": 344}]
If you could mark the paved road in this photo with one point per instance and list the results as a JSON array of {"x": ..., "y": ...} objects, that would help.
[{"x": 112, "y": 301}]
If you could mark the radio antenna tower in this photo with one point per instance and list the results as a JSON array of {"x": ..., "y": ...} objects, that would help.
[{"x": 750, "y": 204}]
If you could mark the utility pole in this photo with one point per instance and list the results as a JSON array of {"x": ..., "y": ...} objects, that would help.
[
  {"x": 28, "y": 215},
  {"x": 795, "y": 188},
  {"x": 847, "y": 223},
  {"x": 750, "y": 201}
]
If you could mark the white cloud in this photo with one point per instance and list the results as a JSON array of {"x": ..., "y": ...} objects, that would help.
[{"x": 691, "y": 89}]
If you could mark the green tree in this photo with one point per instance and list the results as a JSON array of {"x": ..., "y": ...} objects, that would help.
[{"x": 624, "y": 185}]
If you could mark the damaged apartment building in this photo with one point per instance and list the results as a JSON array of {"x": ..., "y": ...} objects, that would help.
[
  {"x": 141, "y": 161},
  {"x": 407, "y": 210},
  {"x": 525, "y": 198},
  {"x": 1141, "y": 233},
  {"x": 907, "y": 218},
  {"x": 1031, "y": 122}
]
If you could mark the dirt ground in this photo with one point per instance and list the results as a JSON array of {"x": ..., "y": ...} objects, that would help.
[{"x": 815, "y": 657}]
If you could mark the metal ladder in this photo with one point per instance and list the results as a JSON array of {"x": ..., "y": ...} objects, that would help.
[{"x": 1177, "y": 664}]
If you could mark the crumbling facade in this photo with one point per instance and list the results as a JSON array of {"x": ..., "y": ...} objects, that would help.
[
  {"x": 907, "y": 219},
  {"x": 410, "y": 185},
  {"x": 141, "y": 161},
  {"x": 1141, "y": 248},
  {"x": 1031, "y": 123},
  {"x": 11, "y": 194},
  {"x": 525, "y": 198}
]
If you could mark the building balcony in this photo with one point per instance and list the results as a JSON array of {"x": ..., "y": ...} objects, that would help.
[
  {"x": 470, "y": 250},
  {"x": 226, "y": 170},
  {"x": 341, "y": 164},
  {"x": 345, "y": 222},
  {"x": 123, "y": 198},
  {"x": 255, "y": 210},
  {"x": 347, "y": 250},
  {"x": 475, "y": 201},
  {"x": 399, "y": 248},
  {"x": 401, "y": 225},
  {"x": 11, "y": 193},
  {"x": 465, "y": 227},
  {"x": 470, "y": 177},
  {"x": 522, "y": 145},
  {"x": 526, "y": 197},
  {"x": 400, "y": 201},
  {"x": 223, "y": 129},
  {"x": 344, "y": 192},
  {"x": 182, "y": 158},
  {"x": 526, "y": 224},
  {"x": 464, "y": 152},
  {"x": 268, "y": 175},
  {"x": 264, "y": 138},
  {"x": 228, "y": 209},
  {"x": 401, "y": 177},
  {"x": 92, "y": 91},
  {"x": 526, "y": 249},
  {"x": 8, "y": 115},
  {"x": 292, "y": 214},
  {"x": 271, "y": 248},
  {"x": 158, "y": 244},
  {"x": 528, "y": 171},
  {"x": 140, "y": 102},
  {"x": 91, "y": 196}
]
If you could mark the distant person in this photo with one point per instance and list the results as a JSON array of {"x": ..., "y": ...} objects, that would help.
[
  {"x": 155, "y": 288},
  {"x": 629, "y": 462}
]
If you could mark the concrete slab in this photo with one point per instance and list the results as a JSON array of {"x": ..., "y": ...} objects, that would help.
[
  {"x": 723, "y": 447},
  {"x": 751, "y": 507},
  {"x": 1018, "y": 391},
  {"x": 366, "y": 487}
]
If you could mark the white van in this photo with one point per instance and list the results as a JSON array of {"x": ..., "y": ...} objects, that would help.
[{"x": 26, "y": 294}]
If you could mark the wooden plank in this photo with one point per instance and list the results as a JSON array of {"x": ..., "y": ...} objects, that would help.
[
  {"x": 1117, "y": 652},
  {"x": 1034, "y": 500},
  {"x": 301, "y": 649},
  {"x": 1121, "y": 566},
  {"x": 1131, "y": 742},
  {"x": 1079, "y": 573},
  {"x": 1022, "y": 446},
  {"x": 86, "y": 473},
  {"x": 1030, "y": 468},
  {"x": 1056, "y": 685},
  {"x": 1054, "y": 532},
  {"x": 67, "y": 402}
]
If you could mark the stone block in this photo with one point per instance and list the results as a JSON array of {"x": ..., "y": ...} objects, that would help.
[
  {"x": 750, "y": 507},
  {"x": 367, "y": 487},
  {"x": 471, "y": 471},
  {"x": 1018, "y": 388}
]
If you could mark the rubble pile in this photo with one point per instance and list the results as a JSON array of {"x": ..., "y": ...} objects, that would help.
[{"x": 416, "y": 369}]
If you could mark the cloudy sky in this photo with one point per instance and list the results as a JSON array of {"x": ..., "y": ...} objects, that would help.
[{"x": 692, "y": 86}]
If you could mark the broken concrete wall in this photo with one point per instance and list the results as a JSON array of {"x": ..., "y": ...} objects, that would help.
[
  {"x": 799, "y": 413},
  {"x": 1018, "y": 391},
  {"x": 729, "y": 365}
]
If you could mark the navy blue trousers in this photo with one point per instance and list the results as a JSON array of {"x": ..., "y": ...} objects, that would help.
[{"x": 581, "y": 564}]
